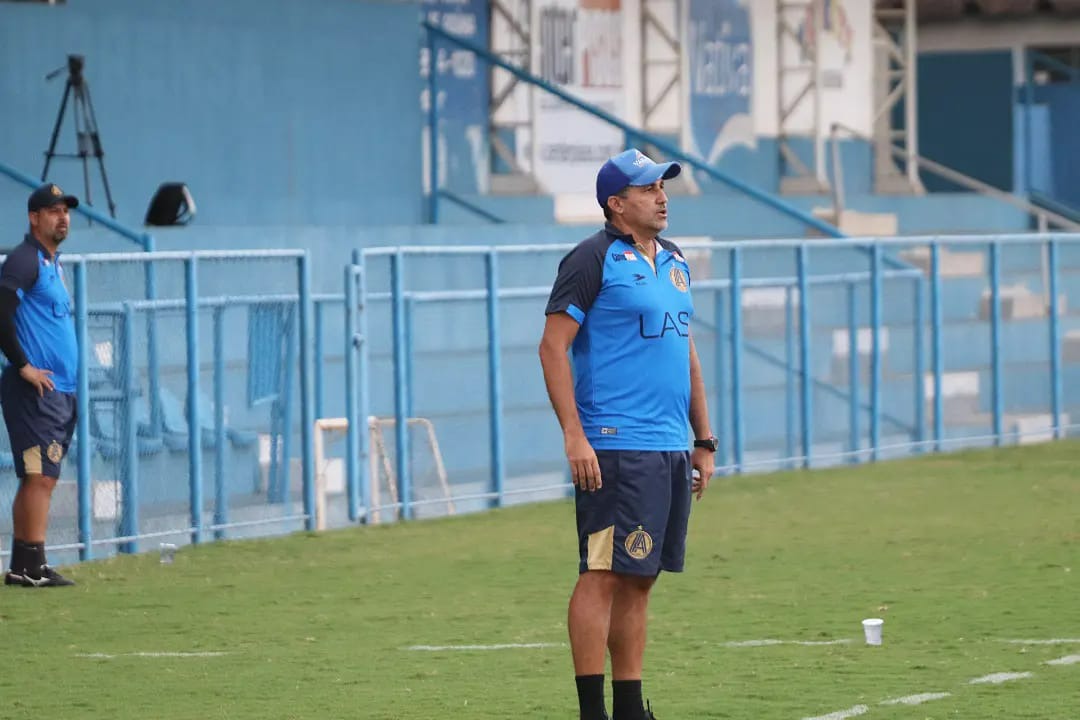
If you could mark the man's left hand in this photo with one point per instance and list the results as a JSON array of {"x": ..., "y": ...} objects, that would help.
[{"x": 703, "y": 461}]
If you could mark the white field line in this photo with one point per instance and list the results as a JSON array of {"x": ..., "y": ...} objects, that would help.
[
  {"x": 1001, "y": 677},
  {"x": 1048, "y": 641},
  {"x": 765, "y": 643},
  {"x": 916, "y": 699},
  {"x": 1067, "y": 660},
  {"x": 502, "y": 646},
  {"x": 842, "y": 714},
  {"x": 111, "y": 656},
  {"x": 991, "y": 679}
]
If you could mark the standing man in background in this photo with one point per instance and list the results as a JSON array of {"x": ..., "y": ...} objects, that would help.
[
  {"x": 621, "y": 303},
  {"x": 37, "y": 387}
]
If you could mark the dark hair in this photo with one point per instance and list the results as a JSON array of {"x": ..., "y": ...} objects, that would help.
[{"x": 607, "y": 210}]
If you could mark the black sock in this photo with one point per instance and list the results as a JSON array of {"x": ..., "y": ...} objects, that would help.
[
  {"x": 24, "y": 556},
  {"x": 590, "y": 692},
  {"x": 627, "y": 703}
]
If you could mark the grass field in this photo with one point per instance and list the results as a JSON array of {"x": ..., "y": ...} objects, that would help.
[{"x": 958, "y": 553}]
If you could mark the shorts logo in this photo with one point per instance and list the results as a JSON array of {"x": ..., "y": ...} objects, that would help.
[
  {"x": 678, "y": 279},
  {"x": 54, "y": 452},
  {"x": 639, "y": 544},
  {"x": 609, "y": 431}
]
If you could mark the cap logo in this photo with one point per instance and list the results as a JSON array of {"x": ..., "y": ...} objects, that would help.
[
  {"x": 639, "y": 159},
  {"x": 56, "y": 191}
]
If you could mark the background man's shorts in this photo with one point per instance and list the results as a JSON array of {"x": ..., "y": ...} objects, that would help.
[
  {"x": 40, "y": 427},
  {"x": 636, "y": 523}
]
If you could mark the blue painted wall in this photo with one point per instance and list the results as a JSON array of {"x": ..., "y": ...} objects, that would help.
[
  {"x": 1062, "y": 146},
  {"x": 966, "y": 116},
  {"x": 273, "y": 112}
]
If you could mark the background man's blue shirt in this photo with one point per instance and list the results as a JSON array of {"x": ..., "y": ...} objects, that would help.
[
  {"x": 631, "y": 356},
  {"x": 43, "y": 319}
]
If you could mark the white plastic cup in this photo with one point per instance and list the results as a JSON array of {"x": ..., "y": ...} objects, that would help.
[
  {"x": 872, "y": 629},
  {"x": 168, "y": 550}
]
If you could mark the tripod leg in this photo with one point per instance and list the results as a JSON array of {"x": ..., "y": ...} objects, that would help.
[
  {"x": 81, "y": 137},
  {"x": 56, "y": 130},
  {"x": 95, "y": 139}
]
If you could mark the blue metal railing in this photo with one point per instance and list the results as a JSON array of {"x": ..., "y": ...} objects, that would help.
[
  {"x": 147, "y": 243},
  {"x": 730, "y": 357},
  {"x": 800, "y": 444},
  {"x": 471, "y": 207},
  {"x": 130, "y": 530}
]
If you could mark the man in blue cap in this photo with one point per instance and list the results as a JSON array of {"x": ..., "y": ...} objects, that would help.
[
  {"x": 621, "y": 306},
  {"x": 37, "y": 387}
]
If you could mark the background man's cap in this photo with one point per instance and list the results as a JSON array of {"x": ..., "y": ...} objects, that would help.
[
  {"x": 630, "y": 168},
  {"x": 48, "y": 195}
]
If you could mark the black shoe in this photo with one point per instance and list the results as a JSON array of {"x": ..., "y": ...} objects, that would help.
[
  {"x": 648, "y": 712},
  {"x": 46, "y": 577}
]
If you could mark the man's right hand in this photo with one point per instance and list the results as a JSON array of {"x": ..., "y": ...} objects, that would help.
[
  {"x": 584, "y": 467},
  {"x": 38, "y": 378}
]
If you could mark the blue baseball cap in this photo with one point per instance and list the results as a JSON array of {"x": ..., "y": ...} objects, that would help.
[
  {"x": 48, "y": 195},
  {"x": 630, "y": 168}
]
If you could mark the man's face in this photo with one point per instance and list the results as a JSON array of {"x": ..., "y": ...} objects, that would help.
[
  {"x": 643, "y": 208},
  {"x": 51, "y": 223}
]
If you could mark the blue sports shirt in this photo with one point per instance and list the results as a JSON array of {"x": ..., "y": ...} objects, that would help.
[
  {"x": 631, "y": 355},
  {"x": 43, "y": 321}
]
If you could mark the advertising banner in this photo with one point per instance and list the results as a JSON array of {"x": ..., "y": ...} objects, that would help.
[
  {"x": 578, "y": 46},
  {"x": 464, "y": 93},
  {"x": 720, "y": 77}
]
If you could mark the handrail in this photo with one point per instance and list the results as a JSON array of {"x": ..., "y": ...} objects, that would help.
[
  {"x": 145, "y": 241},
  {"x": 1054, "y": 64},
  {"x": 471, "y": 207},
  {"x": 1044, "y": 201},
  {"x": 1043, "y": 216},
  {"x": 667, "y": 148}
]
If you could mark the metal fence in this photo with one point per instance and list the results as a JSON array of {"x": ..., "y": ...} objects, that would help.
[
  {"x": 816, "y": 352},
  {"x": 194, "y": 400},
  {"x": 219, "y": 397}
]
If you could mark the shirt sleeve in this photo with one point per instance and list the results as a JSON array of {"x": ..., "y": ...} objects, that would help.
[
  {"x": 20, "y": 270},
  {"x": 581, "y": 273},
  {"x": 18, "y": 274}
]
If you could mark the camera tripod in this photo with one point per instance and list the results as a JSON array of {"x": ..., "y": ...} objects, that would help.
[{"x": 86, "y": 129}]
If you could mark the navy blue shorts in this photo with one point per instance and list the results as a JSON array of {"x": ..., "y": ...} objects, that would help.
[
  {"x": 40, "y": 427},
  {"x": 636, "y": 522}
]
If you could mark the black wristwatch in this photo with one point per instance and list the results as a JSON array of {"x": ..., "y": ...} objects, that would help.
[{"x": 711, "y": 444}]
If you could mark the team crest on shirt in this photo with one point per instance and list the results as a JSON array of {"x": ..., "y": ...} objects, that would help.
[
  {"x": 678, "y": 279},
  {"x": 54, "y": 452},
  {"x": 639, "y": 544}
]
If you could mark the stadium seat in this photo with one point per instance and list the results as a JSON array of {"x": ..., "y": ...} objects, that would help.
[
  {"x": 104, "y": 425},
  {"x": 175, "y": 426}
]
